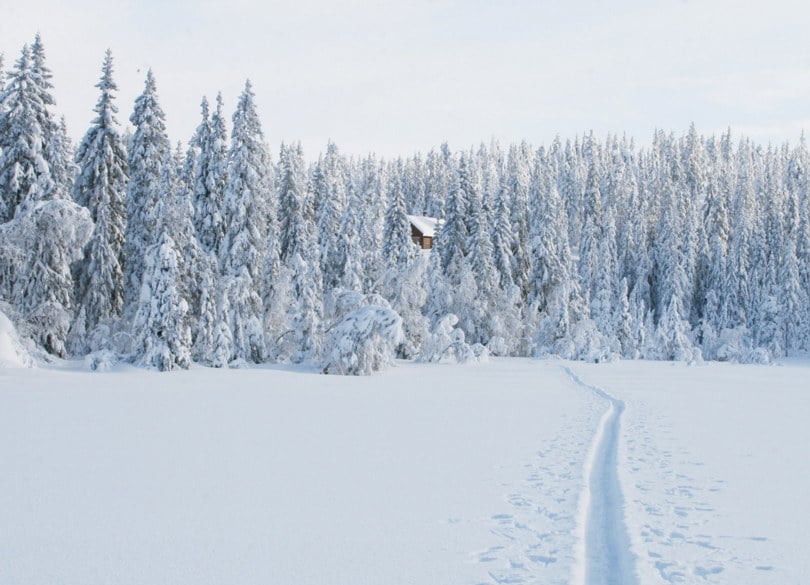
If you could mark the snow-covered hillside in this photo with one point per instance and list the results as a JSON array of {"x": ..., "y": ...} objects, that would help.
[{"x": 504, "y": 472}]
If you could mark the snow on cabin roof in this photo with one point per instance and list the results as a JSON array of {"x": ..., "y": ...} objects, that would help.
[{"x": 426, "y": 225}]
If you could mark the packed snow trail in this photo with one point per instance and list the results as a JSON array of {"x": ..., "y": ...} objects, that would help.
[{"x": 605, "y": 557}]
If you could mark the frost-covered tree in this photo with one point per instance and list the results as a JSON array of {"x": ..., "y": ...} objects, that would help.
[
  {"x": 25, "y": 135},
  {"x": 160, "y": 326},
  {"x": 488, "y": 306},
  {"x": 148, "y": 149},
  {"x": 101, "y": 187},
  {"x": 553, "y": 292},
  {"x": 351, "y": 244},
  {"x": 453, "y": 236},
  {"x": 307, "y": 311},
  {"x": 37, "y": 249},
  {"x": 373, "y": 196},
  {"x": 241, "y": 257},
  {"x": 291, "y": 195},
  {"x": 299, "y": 295},
  {"x": 180, "y": 214},
  {"x": 58, "y": 147},
  {"x": 210, "y": 179},
  {"x": 503, "y": 241},
  {"x": 363, "y": 341},
  {"x": 63, "y": 169},
  {"x": 406, "y": 266},
  {"x": 330, "y": 198},
  {"x": 398, "y": 248},
  {"x": 518, "y": 180},
  {"x": 591, "y": 234}
]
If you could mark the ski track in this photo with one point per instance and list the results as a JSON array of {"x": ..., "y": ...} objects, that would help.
[
  {"x": 536, "y": 530},
  {"x": 604, "y": 549}
]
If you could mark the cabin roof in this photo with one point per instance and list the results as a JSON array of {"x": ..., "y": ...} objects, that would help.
[{"x": 426, "y": 225}]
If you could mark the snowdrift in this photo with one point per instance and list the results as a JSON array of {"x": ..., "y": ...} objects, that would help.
[{"x": 12, "y": 352}]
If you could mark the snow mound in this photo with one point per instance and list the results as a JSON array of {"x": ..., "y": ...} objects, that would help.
[
  {"x": 101, "y": 361},
  {"x": 12, "y": 352},
  {"x": 447, "y": 344},
  {"x": 363, "y": 342}
]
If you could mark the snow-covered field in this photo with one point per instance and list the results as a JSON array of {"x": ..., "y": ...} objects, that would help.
[{"x": 515, "y": 471}]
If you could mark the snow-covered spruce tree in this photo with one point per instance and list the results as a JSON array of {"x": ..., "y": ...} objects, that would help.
[
  {"x": 490, "y": 315},
  {"x": 363, "y": 342},
  {"x": 446, "y": 344},
  {"x": 398, "y": 248},
  {"x": 437, "y": 183},
  {"x": 351, "y": 245},
  {"x": 454, "y": 234},
  {"x": 241, "y": 256},
  {"x": 591, "y": 234},
  {"x": 191, "y": 260},
  {"x": 503, "y": 241},
  {"x": 571, "y": 184},
  {"x": 101, "y": 187},
  {"x": 272, "y": 287},
  {"x": 553, "y": 303},
  {"x": 490, "y": 162},
  {"x": 307, "y": 311},
  {"x": 148, "y": 149},
  {"x": 42, "y": 243},
  {"x": 743, "y": 226},
  {"x": 298, "y": 297},
  {"x": 330, "y": 194},
  {"x": 207, "y": 189},
  {"x": 46, "y": 235},
  {"x": 210, "y": 179},
  {"x": 414, "y": 185},
  {"x": 518, "y": 180},
  {"x": 670, "y": 281},
  {"x": 373, "y": 196},
  {"x": 160, "y": 327},
  {"x": 61, "y": 154},
  {"x": 798, "y": 183},
  {"x": 25, "y": 174},
  {"x": 695, "y": 177},
  {"x": 207, "y": 324},
  {"x": 605, "y": 300},
  {"x": 58, "y": 147},
  {"x": 405, "y": 270},
  {"x": 712, "y": 265}
]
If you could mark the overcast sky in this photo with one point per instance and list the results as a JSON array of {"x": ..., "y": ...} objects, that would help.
[{"x": 397, "y": 77}]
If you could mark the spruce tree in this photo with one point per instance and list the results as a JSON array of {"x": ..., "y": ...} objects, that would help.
[
  {"x": 330, "y": 193},
  {"x": 241, "y": 256},
  {"x": 160, "y": 325},
  {"x": 148, "y": 149},
  {"x": 352, "y": 244},
  {"x": 398, "y": 248},
  {"x": 101, "y": 187},
  {"x": 210, "y": 179},
  {"x": 25, "y": 133}
]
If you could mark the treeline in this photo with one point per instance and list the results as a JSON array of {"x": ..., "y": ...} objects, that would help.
[{"x": 216, "y": 253}]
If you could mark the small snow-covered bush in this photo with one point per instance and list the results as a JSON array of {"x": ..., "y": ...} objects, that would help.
[
  {"x": 446, "y": 344},
  {"x": 364, "y": 341},
  {"x": 497, "y": 346},
  {"x": 759, "y": 355},
  {"x": 103, "y": 360}
]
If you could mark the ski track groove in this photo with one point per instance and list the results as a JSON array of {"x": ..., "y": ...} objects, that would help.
[{"x": 603, "y": 551}]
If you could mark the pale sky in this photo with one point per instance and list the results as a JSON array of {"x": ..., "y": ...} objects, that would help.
[{"x": 397, "y": 77}]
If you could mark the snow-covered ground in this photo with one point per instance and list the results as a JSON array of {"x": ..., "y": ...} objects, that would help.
[{"x": 513, "y": 471}]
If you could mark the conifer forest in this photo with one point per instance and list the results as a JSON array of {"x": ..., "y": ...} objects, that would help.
[{"x": 224, "y": 252}]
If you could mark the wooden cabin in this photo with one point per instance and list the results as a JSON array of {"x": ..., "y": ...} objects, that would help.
[{"x": 423, "y": 230}]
